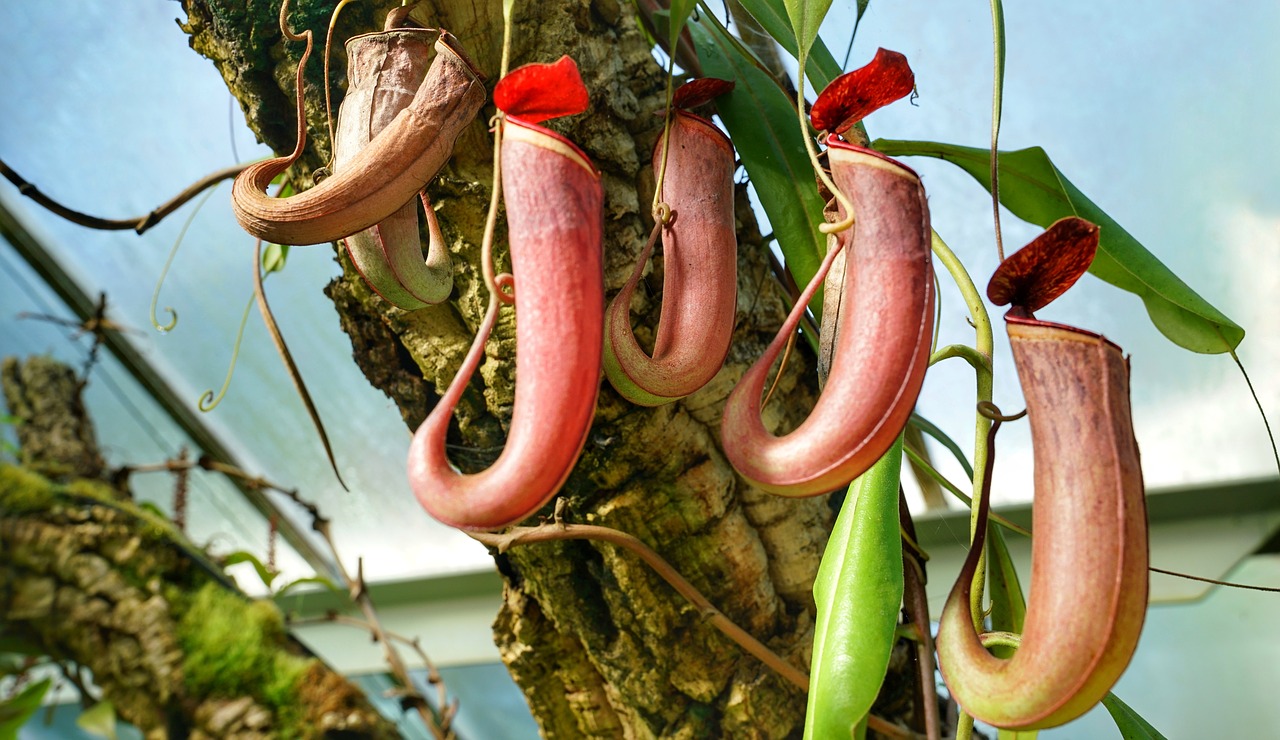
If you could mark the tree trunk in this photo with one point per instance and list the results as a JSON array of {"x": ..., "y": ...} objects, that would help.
[
  {"x": 600, "y": 646},
  {"x": 92, "y": 580}
]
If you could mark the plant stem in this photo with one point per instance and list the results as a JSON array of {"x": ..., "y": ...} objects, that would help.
[{"x": 984, "y": 346}]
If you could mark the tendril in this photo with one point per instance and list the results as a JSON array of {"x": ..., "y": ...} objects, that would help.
[
  {"x": 782, "y": 365},
  {"x": 208, "y": 402},
  {"x": 164, "y": 272},
  {"x": 328, "y": 106},
  {"x": 992, "y": 412}
]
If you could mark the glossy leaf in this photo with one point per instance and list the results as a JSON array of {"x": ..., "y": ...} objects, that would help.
[
  {"x": 537, "y": 92},
  {"x": 99, "y": 720},
  {"x": 821, "y": 68},
  {"x": 1131, "y": 724},
  {"x": 858, "y": 591},
  {"x": 678, "y": 15},
  {"x": 997, "y": 84},
  {"x": 15, "y": 712},
  {"x": 1008, "y": 606},
  {"x": 806, "y": 18},
  {"x": 946, "y": 441},
  {"x": 274, "y": 258},
  {"x": 762, "y": 124},
  {"x": 1036, "y": 191}
]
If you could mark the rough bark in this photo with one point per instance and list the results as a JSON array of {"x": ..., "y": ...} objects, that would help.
[
  {"x": 55, "y": 434},
  {"x": 91, "y": 579},
  {"x": 600, "y": 646}
]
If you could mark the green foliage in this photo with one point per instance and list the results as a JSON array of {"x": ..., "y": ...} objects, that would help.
[
  {"x": 762, "y": 123},
  {"x": 318, "y": 580},
  {"x": 1131, "y": 725},
  {"x": 15, "y": 712},
  {"x": 1036, "y": 191},
  {"x": 858, "y": 590},
  {"x": 234, "y": 647},
  {"x": 772, "y": 17},
  {"x": 678, "y": 15},
  {"x": 1008, "y": 608},
  {"x": 99, "y": 720},
  {"x": 274, "y": 258},
  {"x": 806, "y": 18},
  {"x": 240, "y": 556}
]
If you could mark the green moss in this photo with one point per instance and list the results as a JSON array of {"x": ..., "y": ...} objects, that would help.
[
  {"x": 235, "y": 647},
  {"x": 23, "y": 491}
]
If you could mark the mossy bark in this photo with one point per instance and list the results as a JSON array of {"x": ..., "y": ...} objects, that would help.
[
  {"x": 600, "y": 646},
  {"x": 91, "y": 579}
]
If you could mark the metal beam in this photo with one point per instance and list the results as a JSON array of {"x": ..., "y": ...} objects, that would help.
[{"x": 78, "y": 301}]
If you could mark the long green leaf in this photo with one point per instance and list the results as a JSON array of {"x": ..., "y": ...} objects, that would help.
[
  {"x": 678, "y": 16},
  {"x": 241, "y": 556},
  {"x": 858, "y": 591},
  {"x": 772, "y": 17},
  {"x": 762, "y": 124},
  {"x": 1036, "y": 191},
  {"x": 1131, "y": 724},
  {"x": 997, "y": 102},
  {"x": 15, "y": 712},
  {"x": 806, "y": 18},
  {"x": 318, "y": 580},
  {"x": 1008, "y": 607}
]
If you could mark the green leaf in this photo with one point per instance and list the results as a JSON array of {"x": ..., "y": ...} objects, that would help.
[
  {"x": 99, "y": 720},
  {"x": 858, "y": 591},
  {"x": 274, "y": 258},
  {"x": 1131, "y": 724},
  {"x": 240, "y": 556},
  {"x": 762, "y": 124},
  {"x": 10, "y": 419},
  {"x": 12, "y": 664},
  {"x": 1008, "y": 607},
  {"x": 1036, "y": 191},
  {"x": 154, "y": 508},
  {"x": 15, "y": 712},
  {"x": 806, "y": 18},
  {"x": 772, "y": 17},
  {"x": 943, "y": 439},
  {"x": 321, "y": 580},
  {"x": 679, "y": 15},
  {"x": 997, "y": 96}
]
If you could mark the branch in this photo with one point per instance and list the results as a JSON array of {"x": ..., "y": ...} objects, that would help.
[
  {"x": 139, "y": 223},
  {"x": 356, "y": 588},
  {"x": 560, "y": 531},
  {"x": 447, "y": 709}
]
